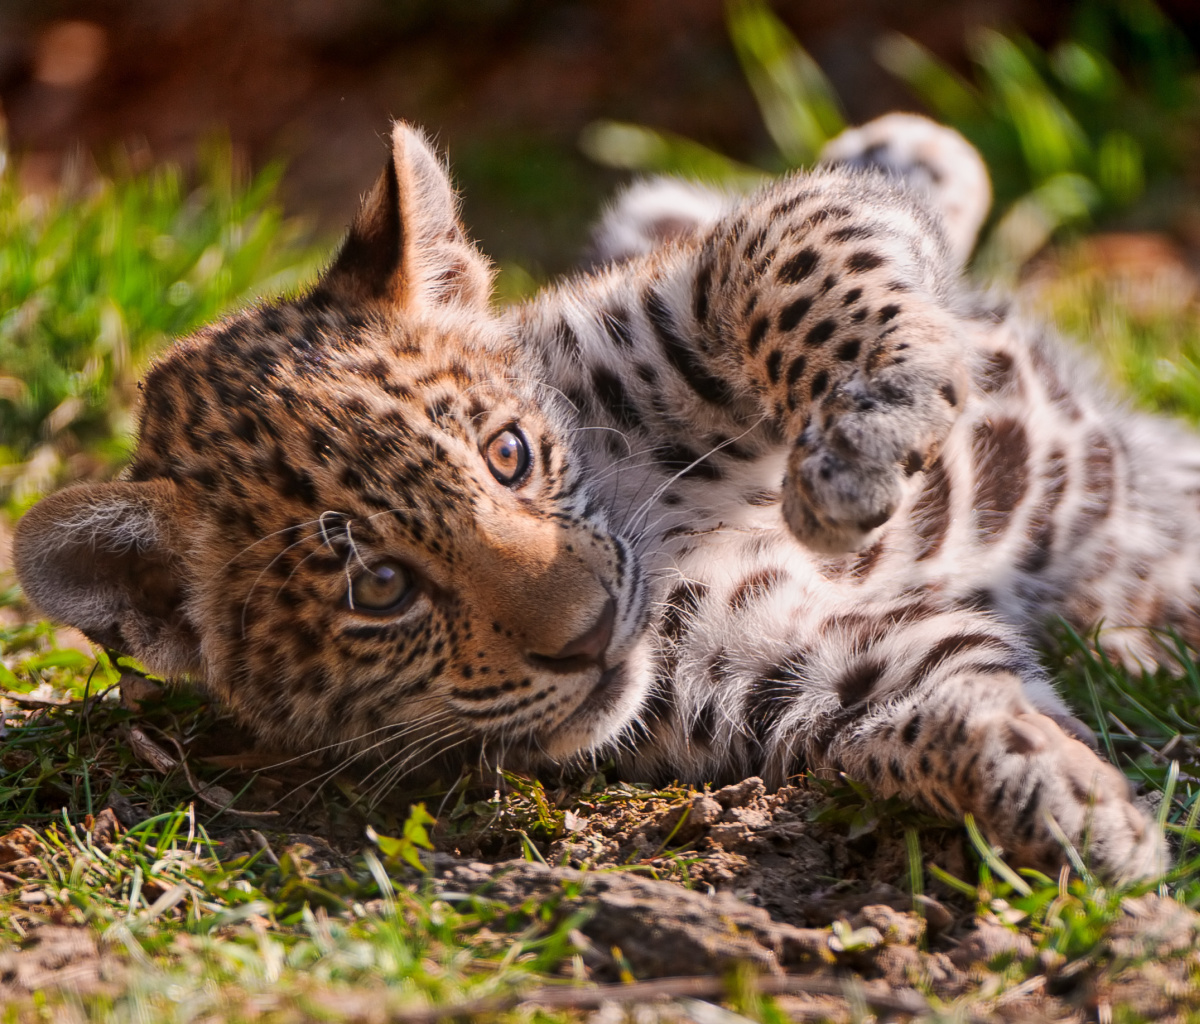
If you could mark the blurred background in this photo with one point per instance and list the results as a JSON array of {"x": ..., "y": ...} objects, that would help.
[{"x": 166, "y": 159}]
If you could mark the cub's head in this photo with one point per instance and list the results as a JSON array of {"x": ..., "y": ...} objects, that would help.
[{"x": 357, "y": 517}]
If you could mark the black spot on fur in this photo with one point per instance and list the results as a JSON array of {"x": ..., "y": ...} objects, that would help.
[
  {"x": 863, "y": 260},
  {"x": 858, "y": 682},
  {"x": 1001, "y": 450},
  {"x": 1041, "y": 529},
  {"x": 614, "y": 398},
  {"x": 754, "y": 587},
  {"x": 704, "y": 728},
  {"x": 998, "y": 374},
  {"x": 796, "y": 268},
  {"x": 852, "y": 232},
  {"x": 911, "y": 730},
  {"x": 791, "y": 314},
  {"x": 820, "y": 333},
  {"x": 767, "y": 700},
  {"x": 795, "y": 370},
  {"x": 758, "y": 331},
  {"x": 1099, "y": 485},
  {"x": 1026, "y": 813},
  {"x": 679, "y": 354},
  {"x": 616, "y": 326},
  {"x": 848, "y": 350},
  {"x": 949, "y": 646},
  {"x": 245, "y": 428},
  {"x": 700, "y": 293},
  {"x": 681, "y": 606},
  {"x": 292, "y": 482},
  {"x": 774, "y": 357}
]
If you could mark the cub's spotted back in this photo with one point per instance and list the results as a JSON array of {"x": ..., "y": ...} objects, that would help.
[{"x": 770, "y": 491}]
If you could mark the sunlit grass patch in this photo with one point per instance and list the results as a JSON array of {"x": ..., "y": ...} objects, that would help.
[
  {"x": 1133, "y": 305},
  {"x": 96, "y": 279},
  {"x": 190, "y": 929}
]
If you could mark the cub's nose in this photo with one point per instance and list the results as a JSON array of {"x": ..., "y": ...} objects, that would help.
[{"x": 585, "y": 650}]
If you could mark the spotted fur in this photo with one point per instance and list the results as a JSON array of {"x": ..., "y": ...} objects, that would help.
[{"x": 796, "y": 498}]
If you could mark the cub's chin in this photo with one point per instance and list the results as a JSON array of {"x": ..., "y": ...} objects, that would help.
[{"x": 612, "y": 703}]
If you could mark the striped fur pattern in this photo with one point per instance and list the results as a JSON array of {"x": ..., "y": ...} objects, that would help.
[{"x": 793, "y": 497}]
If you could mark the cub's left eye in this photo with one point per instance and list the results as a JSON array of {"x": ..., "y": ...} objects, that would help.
[
  {"x": 385, "y": 587},
  {"x": 507, "y": 456}
]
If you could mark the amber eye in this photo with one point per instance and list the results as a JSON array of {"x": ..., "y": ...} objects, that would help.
[
  {"x": 384, "y": 587},
  {"x": 507, "y": 456}
]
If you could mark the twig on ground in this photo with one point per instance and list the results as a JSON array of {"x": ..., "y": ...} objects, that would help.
[{"x": 217, "y": 797}]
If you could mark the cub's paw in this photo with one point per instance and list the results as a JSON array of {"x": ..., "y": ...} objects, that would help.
[
  {"x": 859, "y": 453},
  {"x": 1045, "y": 784}
]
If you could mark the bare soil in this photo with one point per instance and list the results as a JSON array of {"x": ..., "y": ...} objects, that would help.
[{"x": 686, "y": 883}]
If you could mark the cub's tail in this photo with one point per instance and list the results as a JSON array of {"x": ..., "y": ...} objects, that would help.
[{"x": 653, "y": 211}]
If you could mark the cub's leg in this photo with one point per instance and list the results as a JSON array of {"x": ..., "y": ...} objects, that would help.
[
  {"x": 827, "y": 300},
  {"x": 832, "y": 303},
  {"x": 968, "y": 739},
  {"x": 944, "y": 706}
]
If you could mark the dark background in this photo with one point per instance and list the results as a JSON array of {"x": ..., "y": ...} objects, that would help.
[{"x": 506, "y": 86}]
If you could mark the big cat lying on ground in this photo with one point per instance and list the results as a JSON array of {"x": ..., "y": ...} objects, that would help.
[{"x": 775, "y": 492}]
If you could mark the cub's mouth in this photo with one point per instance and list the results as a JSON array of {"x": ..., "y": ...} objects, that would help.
[
  {"x": 606, "y": 694},
  {"x": 604, "y": 712}
]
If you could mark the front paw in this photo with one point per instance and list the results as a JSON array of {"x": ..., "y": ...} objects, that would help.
[
  {"x": 1048, "y": 785},
  {"x": 856, "y": 458},
  {"x": 834, "y": 504}
]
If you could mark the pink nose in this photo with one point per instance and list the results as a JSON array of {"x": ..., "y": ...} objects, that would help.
[{"x": 585, "y": 650}]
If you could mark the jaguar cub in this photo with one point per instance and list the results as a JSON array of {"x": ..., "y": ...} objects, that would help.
[{"x": 769, "y": 489}]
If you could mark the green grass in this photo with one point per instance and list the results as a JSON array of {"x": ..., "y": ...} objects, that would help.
[
  {"x": 1152, "y": 354},
  {"x": 95, "y": 280},
  {"x": 206, "y": 935}
]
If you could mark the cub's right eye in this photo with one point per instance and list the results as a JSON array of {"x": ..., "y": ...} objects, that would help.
[
  {"x": 384, "y": 587},
  {"x": 507, "y": 456}
]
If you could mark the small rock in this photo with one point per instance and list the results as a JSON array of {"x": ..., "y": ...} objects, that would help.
[
  {"x": 989, "y": 941},
  {"x": 20, "y": 843},
  {"x": 937, "y": 917},
  {"x": 137, "y": 692},
  {"x": 894, "y": 926},
  {"x": 729, "y": 837},
  {"x": 125, "y": 811},
  {"x": 749, "y": 817},
  {"x": 740, "y": 793},
  {"x": 702, "y": 811}
]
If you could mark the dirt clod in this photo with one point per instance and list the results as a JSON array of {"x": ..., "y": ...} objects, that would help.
[{"x": 659, "y": 927}]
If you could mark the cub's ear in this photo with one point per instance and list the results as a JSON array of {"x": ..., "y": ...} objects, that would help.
[
  {"x": 107, "y": 559},
  {"x": 406, "y": 247}
]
